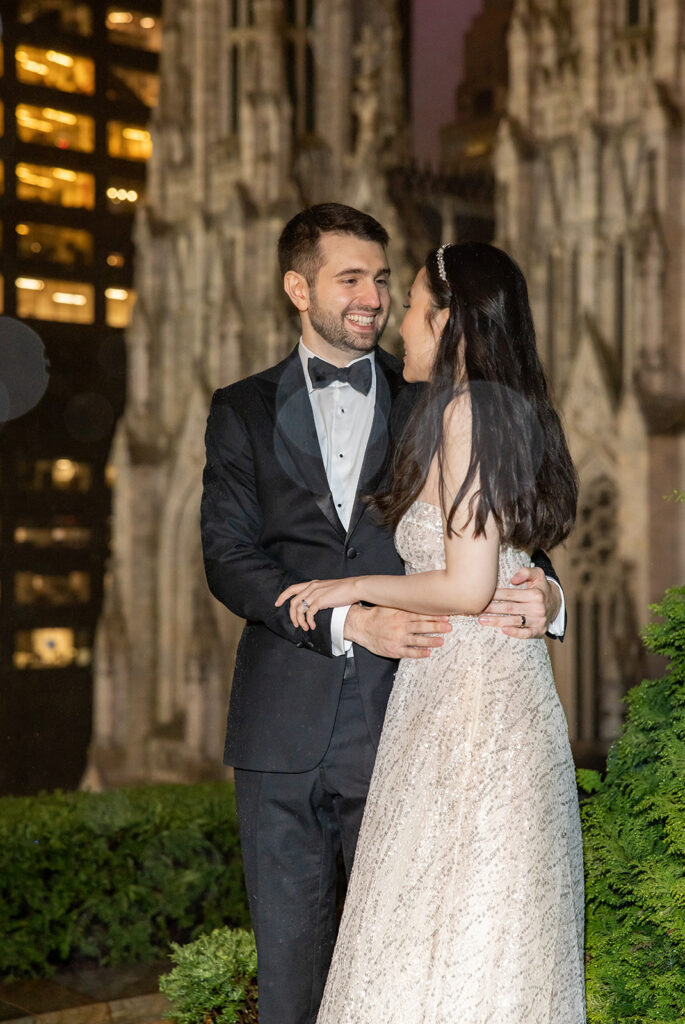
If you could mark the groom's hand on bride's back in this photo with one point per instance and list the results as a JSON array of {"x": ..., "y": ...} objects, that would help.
[
  {"x": 526, "y": 609},
  {"x": 391, "y": 633}
]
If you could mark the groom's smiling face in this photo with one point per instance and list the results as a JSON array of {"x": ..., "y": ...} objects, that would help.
[{"x": 349, "y": 299}]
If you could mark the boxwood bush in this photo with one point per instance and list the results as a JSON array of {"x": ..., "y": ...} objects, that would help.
[
  {"x": 214, "y": 980},
  {"x": 115, "y": 877},
  {"x": 634, "y": 831}
]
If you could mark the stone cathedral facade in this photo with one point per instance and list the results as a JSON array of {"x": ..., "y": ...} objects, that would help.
[
  {"x": 265, "y": 105},
  {"x": 590, "y": 198}
]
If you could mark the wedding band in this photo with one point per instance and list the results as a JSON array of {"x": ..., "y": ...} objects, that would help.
[
  {"x": 523, "y": 621},
  {"x": 304, "y": 604}
]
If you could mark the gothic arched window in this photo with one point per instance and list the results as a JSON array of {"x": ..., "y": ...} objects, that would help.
[
  {"x": 300, "y": 69},
  {"x": 602, "y": 631}
]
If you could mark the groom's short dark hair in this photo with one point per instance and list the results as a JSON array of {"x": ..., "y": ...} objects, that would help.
[{"x": 298, "y": 246}]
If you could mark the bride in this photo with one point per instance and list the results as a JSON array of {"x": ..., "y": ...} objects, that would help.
[{"x": 465, "y": 903}]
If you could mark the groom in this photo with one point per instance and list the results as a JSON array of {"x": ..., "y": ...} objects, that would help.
[{"x": 291, "y": 452}]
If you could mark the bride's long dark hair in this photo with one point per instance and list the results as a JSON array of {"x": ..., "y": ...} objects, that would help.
[{"x": 518, "y": 449}]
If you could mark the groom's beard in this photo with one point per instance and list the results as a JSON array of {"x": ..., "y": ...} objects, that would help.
[{"x": 333, "y": 328}]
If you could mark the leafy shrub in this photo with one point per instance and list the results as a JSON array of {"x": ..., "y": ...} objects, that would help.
[
  {"x": 214, "y": 981},
  {"x": 635, "y": 847},
  {"x": 114, "y": 877}
]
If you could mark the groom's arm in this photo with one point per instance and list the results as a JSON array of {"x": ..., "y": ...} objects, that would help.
[{"x": 239, "y": 572}]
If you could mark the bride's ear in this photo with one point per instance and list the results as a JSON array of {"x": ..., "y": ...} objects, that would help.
[{"x": 297, "y": 290}]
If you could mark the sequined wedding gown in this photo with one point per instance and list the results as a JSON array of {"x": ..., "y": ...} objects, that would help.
[{"x": 465, "y": 904}]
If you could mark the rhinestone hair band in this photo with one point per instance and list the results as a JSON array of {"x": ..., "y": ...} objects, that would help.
[{"x": 440, "y": 259}]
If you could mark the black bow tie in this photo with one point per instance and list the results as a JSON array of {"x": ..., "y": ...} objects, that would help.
[{"x": 357, "y": 375}]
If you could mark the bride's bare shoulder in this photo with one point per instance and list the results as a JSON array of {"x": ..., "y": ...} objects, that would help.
[{"x": 456, "y": 421}]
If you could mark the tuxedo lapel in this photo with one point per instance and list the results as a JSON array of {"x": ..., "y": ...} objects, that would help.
[{"x": 296, "y": 444}]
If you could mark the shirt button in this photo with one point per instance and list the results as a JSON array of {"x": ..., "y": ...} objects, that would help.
[
  {"x": 341, "y": 456},
  {"x": 351, "y": 552}
]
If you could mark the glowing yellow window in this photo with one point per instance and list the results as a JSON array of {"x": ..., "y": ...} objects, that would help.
[
  {"x": 40, "y": 589},
  {"x": 60, "y": 128},
  {"x": 47, "y": 299},
  {"x": 58, "y": 185},
  {"x": 55, "y": 535},
  {"x": 129, "y": 141},
  {"x": 119, "y": 306},
  {"x": 56, "y": 69},
  {"x": 70, "y": 246},
  {"x": 133, "y": 28},
  {"x": 51, "y": 647},
  {"x": 122, "y": 195}
]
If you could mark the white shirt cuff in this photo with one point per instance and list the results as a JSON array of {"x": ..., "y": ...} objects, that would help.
[
  {"x": 339, "y": 645},
  {"x": 556, "y": 628}
]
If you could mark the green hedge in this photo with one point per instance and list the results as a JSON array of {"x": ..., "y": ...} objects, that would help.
[
  {"x": 115, "y": 877},
  {"x": 634, "y": 831},
  {"x": 214, "y": 980}
]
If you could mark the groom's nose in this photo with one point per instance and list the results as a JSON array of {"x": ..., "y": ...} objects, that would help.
[{"x": 370, "y": 297}]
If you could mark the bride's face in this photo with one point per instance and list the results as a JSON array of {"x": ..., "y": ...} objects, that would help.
[{"x": 421, "y": 330}]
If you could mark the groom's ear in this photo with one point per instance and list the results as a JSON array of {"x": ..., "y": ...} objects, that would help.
[{"x": 297, "y": 290}]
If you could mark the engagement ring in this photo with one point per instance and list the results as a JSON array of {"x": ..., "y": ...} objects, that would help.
[
  {"x": 523, "y": 620},
  {"x": 304, "y": 604}
]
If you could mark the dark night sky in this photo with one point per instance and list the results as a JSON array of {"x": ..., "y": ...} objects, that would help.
[{"x": 438, "y": 29}]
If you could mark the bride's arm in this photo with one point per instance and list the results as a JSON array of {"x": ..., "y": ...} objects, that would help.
[{"x": 466, "y": 584}]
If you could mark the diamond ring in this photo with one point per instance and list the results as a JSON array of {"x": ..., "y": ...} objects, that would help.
[{"x": 304, "y": 604}]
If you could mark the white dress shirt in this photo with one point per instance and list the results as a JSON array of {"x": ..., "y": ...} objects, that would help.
[{"x": 343, "y": 417}]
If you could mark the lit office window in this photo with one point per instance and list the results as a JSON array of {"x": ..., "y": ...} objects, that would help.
[
  {"x": 32, "y": 588},
  {"x": 122, "y": 196},
  {"x": 128, "y": 141},
  {"x": 70, "y": 246},
  {"x": 57, "y": 15},
  {"x": 51, "y": 647},
  {"x": 119, "y": 306},
  {"x": 54, "y": 474},
  {"x": 60, "y": 533},
  {"x": 58, "y": 70},
  {"x": 59, "y": 128},
  {"x": 58, "y": 185},
  {"x": 46, "y": 299},
  {"x": 131, "y": 84},
  {"x": 133, "y": 28}
]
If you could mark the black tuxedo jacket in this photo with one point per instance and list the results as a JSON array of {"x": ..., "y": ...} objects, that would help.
[{"x": 268, "y": 520}]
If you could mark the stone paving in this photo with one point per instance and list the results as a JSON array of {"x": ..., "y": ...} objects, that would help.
[{"x": 105, "y": 995}]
